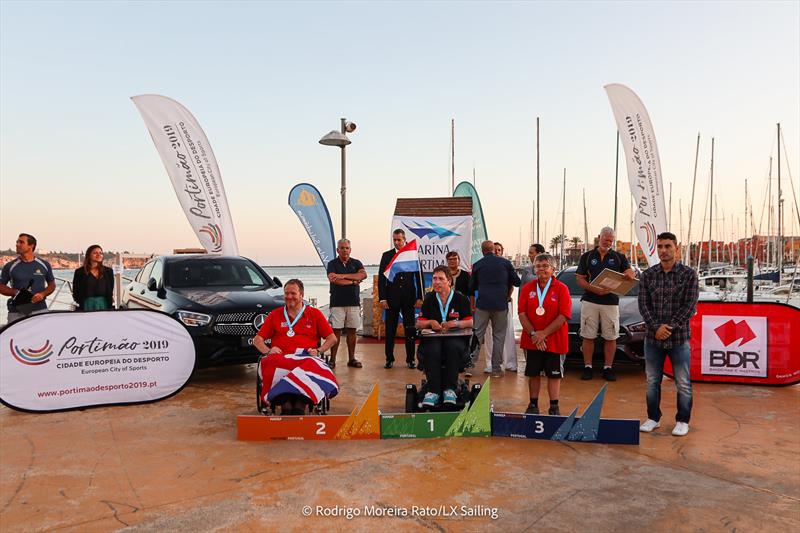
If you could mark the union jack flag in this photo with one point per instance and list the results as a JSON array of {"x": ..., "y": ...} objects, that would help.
[{"x": 297, "y": 373}]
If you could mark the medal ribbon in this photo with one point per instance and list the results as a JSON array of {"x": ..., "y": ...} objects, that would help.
[
  {"x": 443, "y": 309},
  {"x": 293, "y": 322},
  {"x": 541, "y": 294}
]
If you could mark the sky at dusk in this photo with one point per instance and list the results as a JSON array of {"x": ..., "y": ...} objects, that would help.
[{"x": 267, "y": 79}]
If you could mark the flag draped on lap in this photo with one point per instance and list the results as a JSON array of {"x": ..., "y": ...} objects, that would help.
[
  {"x": 405, "y": 260},
  {"x": 298, "y": 373}
]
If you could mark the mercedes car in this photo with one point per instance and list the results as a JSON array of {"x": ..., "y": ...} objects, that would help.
[
  {"x": 221, "y": 300},
  {"x": 630, "y": 344}
]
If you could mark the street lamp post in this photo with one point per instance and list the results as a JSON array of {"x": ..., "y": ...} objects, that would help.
[{"x": 339, "y": 138}]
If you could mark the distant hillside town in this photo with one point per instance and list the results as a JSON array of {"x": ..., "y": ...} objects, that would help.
[{"x": 67, "y": 260}]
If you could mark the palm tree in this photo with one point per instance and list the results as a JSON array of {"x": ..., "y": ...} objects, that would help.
[
  {"x": 575, "y": 242},
  {"x": 554, "y": 243}
]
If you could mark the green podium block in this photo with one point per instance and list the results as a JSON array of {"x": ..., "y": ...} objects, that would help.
[
  {"x": 416, "y": 425},
  {"x": 473, "y": 421}
]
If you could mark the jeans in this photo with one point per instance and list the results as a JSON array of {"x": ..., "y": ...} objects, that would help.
[
  {"x": 499, "y": 320},
  {"x": 680, "y": 356}
]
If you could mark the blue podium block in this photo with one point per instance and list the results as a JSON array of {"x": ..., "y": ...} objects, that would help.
[{"x": 544, "y": 427}]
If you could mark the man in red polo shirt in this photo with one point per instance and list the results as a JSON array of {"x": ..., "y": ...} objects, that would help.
[{"x": 545, "y": 307}]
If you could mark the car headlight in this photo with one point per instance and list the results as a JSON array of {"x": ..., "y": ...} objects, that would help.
[
  {"x": 193, "y": 319},
  {"x": 638, "y": 327}
]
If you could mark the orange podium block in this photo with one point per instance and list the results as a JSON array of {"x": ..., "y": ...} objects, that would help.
[{"x": 362, "y": 423}]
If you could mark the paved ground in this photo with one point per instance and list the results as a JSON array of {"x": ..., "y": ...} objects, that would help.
[{"x": 176, "y": 465}]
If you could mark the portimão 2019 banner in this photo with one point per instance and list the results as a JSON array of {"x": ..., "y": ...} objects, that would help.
[
  {"x": 435, "y": 237},
  {"x": 309, "y": 206},
  {"x": 192, "y": 168},
  {"x": 479, "y": 233},
  {"x": 67, "y": 360},
  {"x": 644, "y": 166}
]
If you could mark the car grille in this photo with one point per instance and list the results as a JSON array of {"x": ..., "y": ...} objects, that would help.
[{"x": 240, "y": 324}]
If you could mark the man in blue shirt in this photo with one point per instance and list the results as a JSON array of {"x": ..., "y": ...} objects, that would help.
[
  {"x": 27, "y": 281},
  {"x": 493, "y": 278}
]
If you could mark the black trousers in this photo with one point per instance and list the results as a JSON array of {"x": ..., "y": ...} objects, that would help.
[
  {"x": 392, "y": 316},
  {"x": 441, "y": 358}
]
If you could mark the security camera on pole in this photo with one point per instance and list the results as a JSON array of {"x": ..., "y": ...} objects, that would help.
[{"x": 339, "y": 138}]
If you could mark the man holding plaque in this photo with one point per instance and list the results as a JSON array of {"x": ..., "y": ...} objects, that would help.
[
  {"x": 27, "y": 280},
  {"x": 599, "y": 306}
]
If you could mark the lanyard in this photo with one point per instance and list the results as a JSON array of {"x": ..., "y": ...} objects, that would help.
[
  {"x": 443, "y": 309},
  {"x": 541, "y": 295},
  {"x": 291, "y": 324}
]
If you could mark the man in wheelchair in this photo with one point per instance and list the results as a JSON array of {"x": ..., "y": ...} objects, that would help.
[
  {"x": 290, "y": 373},
  {"x": 445, "y": 323}
]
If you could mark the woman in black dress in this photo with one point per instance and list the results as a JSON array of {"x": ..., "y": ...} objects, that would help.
[{"x": 93, "y": 283}]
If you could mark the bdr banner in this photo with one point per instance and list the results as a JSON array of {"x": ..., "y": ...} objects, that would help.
[
  {"x": 755, "y": 344},
  {"x": 58, "y": 361}
]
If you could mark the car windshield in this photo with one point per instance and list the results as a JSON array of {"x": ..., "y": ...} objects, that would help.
[
  {"x": 219, "y": 272},
  {"x": 568, "y": 278}
]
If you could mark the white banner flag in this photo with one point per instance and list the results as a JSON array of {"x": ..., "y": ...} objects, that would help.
[
  {"x": 436, "y": 236},
  {"x": 66, "y": 360},
  {"x": 644, "y": 166},
  {"x": 193, "y": 170}
]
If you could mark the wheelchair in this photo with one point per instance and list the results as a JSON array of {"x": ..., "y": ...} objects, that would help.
[
  {"x": 267, "y": 408},
  {"x": 464, "y": 392}
]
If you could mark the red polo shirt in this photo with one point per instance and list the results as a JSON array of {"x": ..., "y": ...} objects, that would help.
[
  {"x": 311, "y": 327},
  {"x": 556, "y": 302}
]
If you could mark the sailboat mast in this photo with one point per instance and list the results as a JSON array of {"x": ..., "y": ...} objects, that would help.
[
  {"x": 780, "y": 210},
  {"x": 691, "y": 205},
  {"x": 586, "y": 225},
  {"x": 770, "y": 244},
  {"x": 452, "y": 155},
  {"x": 711, "y": 204},
  {"x": 538, "y": 202},
  {"x": 669, "y": 219},
  {"x": 563, "y": 213}
]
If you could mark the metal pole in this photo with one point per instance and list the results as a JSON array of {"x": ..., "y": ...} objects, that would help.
[
  {"x": 616, "y": 184},
  {"x": 749, "y": 279},
  {"x": 344, "y": 187}
]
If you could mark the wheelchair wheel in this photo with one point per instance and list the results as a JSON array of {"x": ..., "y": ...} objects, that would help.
[
  {"x": 259, "y": 403},
  {"x": 411, "y": 398}
]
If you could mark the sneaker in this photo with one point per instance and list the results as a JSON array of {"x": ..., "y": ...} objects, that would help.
[
  {"x": 532, "y": 409},
  {"x": 650, "y": 424},
  {"x": 681, "y": 429},
  {"x": 487, "y": 370},
  {"x": 608, "y": 374},
  {"x": 554, "y": 411},
  {"x": 430, "y": 399},
  {"x": 450, "y": 396},
  {"x": 588, "y": 373}
]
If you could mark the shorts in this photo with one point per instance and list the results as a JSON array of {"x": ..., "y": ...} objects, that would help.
[
  {"x": 345, "y": 317},
  {"x": 551, "y": 363},
  {"x": 596, "y": 317}
]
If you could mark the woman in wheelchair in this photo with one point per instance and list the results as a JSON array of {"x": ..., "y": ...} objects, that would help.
[
  {"x": 293, "y": 327},
  {"x": 443, "y": 311}
]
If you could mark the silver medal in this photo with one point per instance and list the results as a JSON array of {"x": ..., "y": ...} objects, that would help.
[
  {"x": 540, "y": 311},
  {"x": 290, "y": 333}
]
